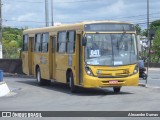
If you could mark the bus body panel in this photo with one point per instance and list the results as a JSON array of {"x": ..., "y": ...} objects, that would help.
[{"x": 61, "y": 67}]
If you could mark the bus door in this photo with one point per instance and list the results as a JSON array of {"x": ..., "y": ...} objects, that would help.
[
  {"x": 79, "y": 37},
  {"x": 74, "y": 55},
  {"x": 78, "y": 58},
  {"x": 31, "y": 55},
  {"x": 52, "y": 52},
  {"x": 25, "y": 54},
  {"x": 44, "y": 56}
]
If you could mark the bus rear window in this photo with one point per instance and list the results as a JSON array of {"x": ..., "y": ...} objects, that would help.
[{"x": 25, "y": 43}]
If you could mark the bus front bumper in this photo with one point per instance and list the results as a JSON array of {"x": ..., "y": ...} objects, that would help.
[{"x": 95, "y": 82}]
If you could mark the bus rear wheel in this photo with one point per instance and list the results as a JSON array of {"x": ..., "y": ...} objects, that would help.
[
  {"x": 41, "y": 81},
  {"x": 116, "y": 89},
  {"x": 71, "y": 83}
]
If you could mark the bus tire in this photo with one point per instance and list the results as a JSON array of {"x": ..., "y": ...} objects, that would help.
[
  {"x": 71, "y": 83},
  {"x": 116, "y": 89},
  {"x": 41, "y": 81}
]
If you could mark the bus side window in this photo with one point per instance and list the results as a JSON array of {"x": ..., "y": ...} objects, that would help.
[
  {"x": 71, "y": 42},
  {"x": 45, "y": 39},
  {"x": 37, "y": 43},
  {"x": 25, "y": 43},
  {"x": 61, "y": 42}
]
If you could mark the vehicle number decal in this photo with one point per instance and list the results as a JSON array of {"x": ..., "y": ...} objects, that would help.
[{"x": 94, "y": 53}]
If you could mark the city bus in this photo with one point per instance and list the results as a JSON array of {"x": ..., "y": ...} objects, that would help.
[{"x": 93, "y": 54}]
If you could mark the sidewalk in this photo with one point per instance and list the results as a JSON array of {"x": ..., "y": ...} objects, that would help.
[
  {"x": 153, "y": 78},
  {"x": 4, "y": 90}
]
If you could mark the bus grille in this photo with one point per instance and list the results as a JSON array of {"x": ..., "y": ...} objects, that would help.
[{"x": 118, "y": 73}]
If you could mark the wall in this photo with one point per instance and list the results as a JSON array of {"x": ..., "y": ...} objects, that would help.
[
  {"x": 11, "y": 65},
  {"x": 153, "y": 65}
]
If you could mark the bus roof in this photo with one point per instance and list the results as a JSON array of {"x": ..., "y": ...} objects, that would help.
[{"x": 65, "y": 26}]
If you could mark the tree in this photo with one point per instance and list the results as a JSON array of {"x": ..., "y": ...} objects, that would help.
[
  {"x": 155, "y": 25},
  {"x": 156, "y": 46},
  {"x": 12, "y": 42},
  {"x": 144, "y": 32},
  {"x": 138, "y": 29}
]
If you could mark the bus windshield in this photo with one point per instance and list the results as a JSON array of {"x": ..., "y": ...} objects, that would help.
[{"x": 111, "y": 49}]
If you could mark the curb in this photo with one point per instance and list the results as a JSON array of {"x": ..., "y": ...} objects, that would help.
[
  {"x": 4, "y": 90},
  {"x": 142, "y": 85},
  {"x": 148, "y": 86},
  {"x": 18, "y": 75}
]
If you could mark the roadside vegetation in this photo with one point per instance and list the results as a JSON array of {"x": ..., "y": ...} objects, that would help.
[
  {"x": 11, "y": 42},
  {"x": 155, "y": 40}
]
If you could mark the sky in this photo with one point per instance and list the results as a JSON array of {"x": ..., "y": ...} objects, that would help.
[{"x": 31, "y": 13}]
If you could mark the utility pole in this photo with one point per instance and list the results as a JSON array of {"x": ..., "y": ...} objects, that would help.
[
  {"x": 46, "y": 13},
  {"x": 1, "y": 53},
  {"x": 52, "y": 12},
  {"x": 149, "y": 41}
]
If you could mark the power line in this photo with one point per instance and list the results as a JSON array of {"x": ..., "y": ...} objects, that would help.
[
  {"x": 23, "y": 21},
  {"x": 22, "y": 1},
  {"x": 78, "y": 1},
  {"x": 41, "y": 22},
  {"x": 121, "y": 18},
  {"x": 141, "y": 15}
]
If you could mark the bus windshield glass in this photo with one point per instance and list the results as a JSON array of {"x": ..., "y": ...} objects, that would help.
[{"x": 111, "y": 49}]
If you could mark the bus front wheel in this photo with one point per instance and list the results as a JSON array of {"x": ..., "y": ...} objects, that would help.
[
  {"x": 41, "y": 81},
  {"x": 71, "y": 83},
  {"x": 116, "y": 89}
]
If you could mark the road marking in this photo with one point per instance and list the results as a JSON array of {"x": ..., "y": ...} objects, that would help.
[{"x": 148, "y": 86}]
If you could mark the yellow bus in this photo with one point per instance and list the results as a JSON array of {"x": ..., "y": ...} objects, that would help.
[{"x": 92, "y": 54}]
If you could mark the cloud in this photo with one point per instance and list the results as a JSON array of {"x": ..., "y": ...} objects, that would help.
[
  {"x": 25, "y": 17},
  {"x": 116, "y": 8},
  {"x": 6, "y": 8},
  {"x": 68, "y": 11}
]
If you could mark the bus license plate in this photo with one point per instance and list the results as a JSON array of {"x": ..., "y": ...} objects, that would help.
[{"x": 113, "y": 82}]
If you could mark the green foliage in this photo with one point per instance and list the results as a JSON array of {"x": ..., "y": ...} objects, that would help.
[
  {"x": 156, "y": 46},
  {"x": 144, "y": 32},
  {"x": 11, "y": 42},
  {"x": 138, "y": 29},
  {"x": 155, "y": 25}
]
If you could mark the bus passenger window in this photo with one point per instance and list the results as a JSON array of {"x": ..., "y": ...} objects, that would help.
[
  {"x": 71, "y": 42},
  {"x": 61, "y": 42},
  {"x": 25, "y": 42},
  {"x": 45, "y": 39},
  {"x": 37, "y": 43}
]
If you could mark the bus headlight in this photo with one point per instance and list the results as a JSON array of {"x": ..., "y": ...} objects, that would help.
[
  {"x": 88, "y": 71},
  {"x": 136, "y": 69}
]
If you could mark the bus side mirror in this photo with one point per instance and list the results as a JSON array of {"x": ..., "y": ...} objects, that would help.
[{"x": 84, "y": 41}]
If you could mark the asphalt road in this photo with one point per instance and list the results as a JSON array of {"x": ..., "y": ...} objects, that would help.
[{"x": 26, "y": 95}]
